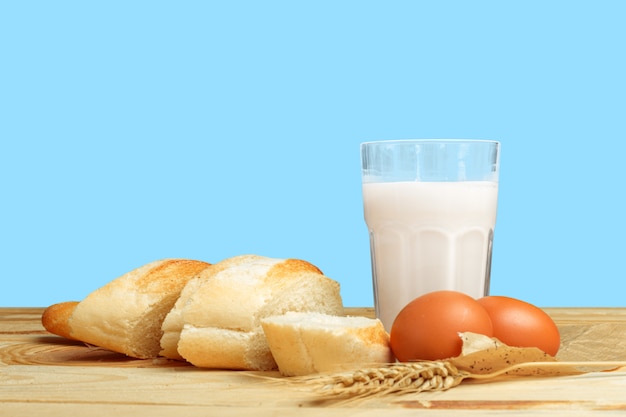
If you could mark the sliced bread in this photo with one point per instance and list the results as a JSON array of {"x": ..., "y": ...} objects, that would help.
[{"x": 307, "y": 343}]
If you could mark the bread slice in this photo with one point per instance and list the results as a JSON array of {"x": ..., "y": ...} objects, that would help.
[
  {"x": 220, "y": 318},
  {"x": 173, "y": 323},
  {"x": 55, "y": 318},
  {"x": 126, "y": 314},
  {"x": 307, "y": 343}
]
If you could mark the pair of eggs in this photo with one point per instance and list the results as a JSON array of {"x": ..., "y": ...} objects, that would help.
[{"x": 428, "y": 327}]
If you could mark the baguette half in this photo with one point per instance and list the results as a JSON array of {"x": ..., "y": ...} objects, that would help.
[{"x": 126, "y": 314}]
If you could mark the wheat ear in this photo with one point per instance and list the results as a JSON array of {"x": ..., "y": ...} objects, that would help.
[{"x": 406, "y": 377}]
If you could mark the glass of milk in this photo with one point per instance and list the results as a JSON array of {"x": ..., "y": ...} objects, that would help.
[{"x": 430, "y": 208}]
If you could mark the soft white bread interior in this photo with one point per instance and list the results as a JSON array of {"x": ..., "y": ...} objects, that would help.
[
  {"x": 307, "y": 343},
  {"x": 126, "y": 314},
  {"x": 220, "y": 320},
  {"x": 173, "y": 323}
]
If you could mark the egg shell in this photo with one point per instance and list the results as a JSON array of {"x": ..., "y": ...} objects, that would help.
[
  {"x": 521, "y": 324},
  {"x": 428, "y": 327}
]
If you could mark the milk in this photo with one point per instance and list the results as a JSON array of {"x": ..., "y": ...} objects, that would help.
[{"x": 428, "y": 236}]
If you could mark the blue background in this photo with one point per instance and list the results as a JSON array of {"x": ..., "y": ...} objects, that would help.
[{"x": 133, "y": 131}]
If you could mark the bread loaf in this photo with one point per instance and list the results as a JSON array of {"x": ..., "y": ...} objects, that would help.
[
  {"x": 218, "y": 316},
  {"x": 307, "y": 343},
  {"x": 126, "y": 314}
]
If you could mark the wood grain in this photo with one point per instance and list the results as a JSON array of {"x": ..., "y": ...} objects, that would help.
[{"x": 45, "y": 374}]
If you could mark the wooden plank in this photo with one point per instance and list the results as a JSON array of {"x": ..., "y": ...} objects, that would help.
[
  {"x": 587, "y": 334},
  {"x": 195, "y": 392},
  {"x": 45, "y": 374}
]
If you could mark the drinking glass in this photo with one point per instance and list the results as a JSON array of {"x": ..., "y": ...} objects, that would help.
[{"x": 430, "y": 208}]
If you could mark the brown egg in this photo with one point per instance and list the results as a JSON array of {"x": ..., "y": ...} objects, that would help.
[
  {"x": 428, "y": 327},
  {"x": 520, "y": 324}
]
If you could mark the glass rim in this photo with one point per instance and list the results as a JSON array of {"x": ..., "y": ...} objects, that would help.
[{"x": 407, "y": 141}]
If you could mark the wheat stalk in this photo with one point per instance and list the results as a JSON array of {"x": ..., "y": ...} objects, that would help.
[
  {"x": 406, "y": 377},
  {"x": 414, "y": 377}
]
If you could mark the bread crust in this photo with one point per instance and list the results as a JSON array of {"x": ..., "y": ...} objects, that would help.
[{"x": 55, "y": 318}]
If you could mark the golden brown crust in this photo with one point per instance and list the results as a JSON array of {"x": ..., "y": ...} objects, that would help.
[
  {"x": 167, "y": 276},
  {"x": 371, "y": 336},
  {"x": 292, "y": 266},
  {"x": 56, "y": 318}
]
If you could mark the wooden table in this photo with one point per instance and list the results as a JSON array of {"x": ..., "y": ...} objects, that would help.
[{"x": 42, "y": 374}]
